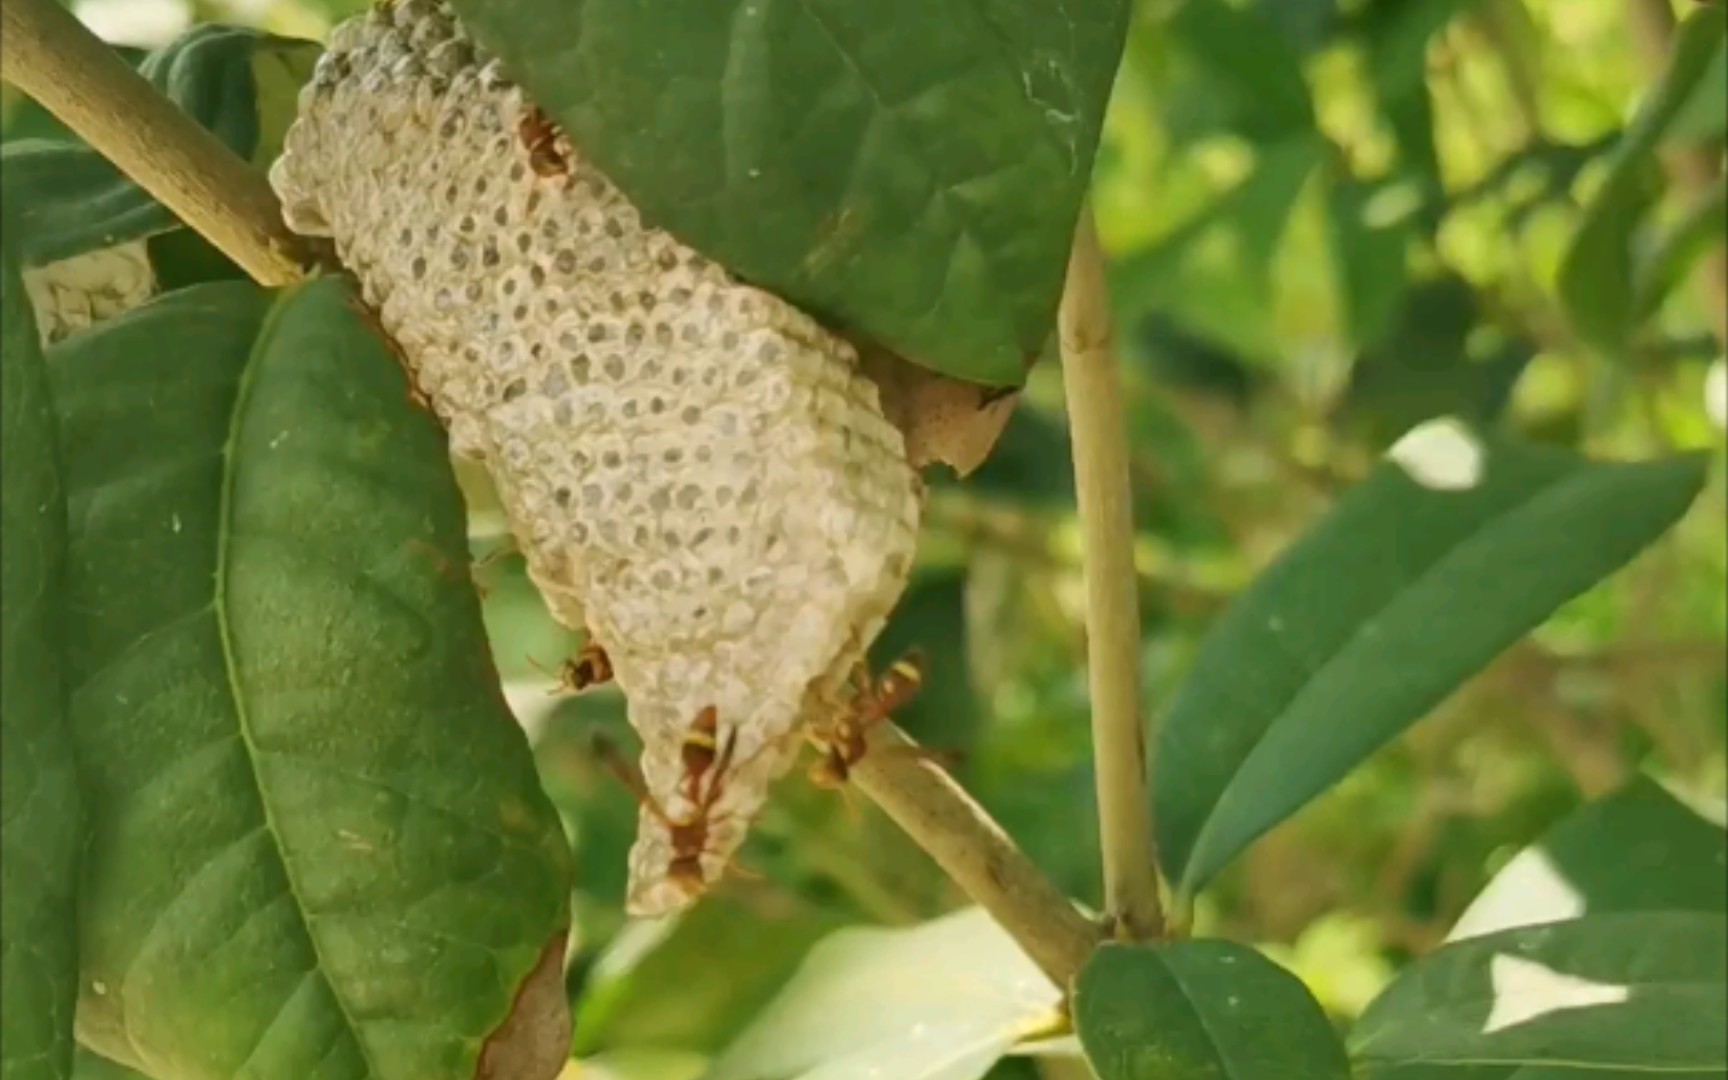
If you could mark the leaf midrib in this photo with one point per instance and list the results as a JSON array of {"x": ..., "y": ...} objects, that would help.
[{"x": 224, "y": 539}]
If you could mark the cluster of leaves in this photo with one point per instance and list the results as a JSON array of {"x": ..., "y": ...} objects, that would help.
[{"x": 262, "y": 793}]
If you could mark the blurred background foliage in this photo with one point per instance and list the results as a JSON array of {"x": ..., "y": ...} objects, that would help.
[{"x": 1328, "y": 220}]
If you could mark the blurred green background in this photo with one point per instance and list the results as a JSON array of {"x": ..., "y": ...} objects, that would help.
[{"x": 1327, "y": 220}]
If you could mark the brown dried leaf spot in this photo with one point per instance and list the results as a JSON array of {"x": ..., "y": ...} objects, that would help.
[
  {"x": 945, "y": 421},
  {"x": 533, "y": 1042}
]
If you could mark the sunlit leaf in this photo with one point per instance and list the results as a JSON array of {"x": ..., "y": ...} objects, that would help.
[{"x": 942, "y": 1001}]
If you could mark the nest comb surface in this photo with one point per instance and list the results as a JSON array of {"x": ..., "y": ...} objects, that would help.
[{"x": 692, "y": 467}]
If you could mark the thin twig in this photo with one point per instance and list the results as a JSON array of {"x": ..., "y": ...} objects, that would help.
[
  {"x": 973, "y": 850},
  {"x": 1098, "y": 432},
  {"x": 50, "y": 55}
]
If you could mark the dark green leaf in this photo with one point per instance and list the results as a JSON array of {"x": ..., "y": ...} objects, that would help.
[
  {"x": 41, "y": 828},
  {"x": 1423, "y": 368},
  {"x": 75, "y": 201},
  {"x": 1596, "y": 276},
  {"x": 911, "y": 169},
  {"x": 1704, "y": 114},
  {"x": 1639, "y": 849},
  {"x": 1698, "y": 233},
  {"x": 1307, "y": 24},
  {"x": 1447, "y": 554},
  {"x": 1395, "y": 35},
  {"x": 931, "y": 617},
  {"x": 1641, "y": 991},
  {"x": 1370, "y": 251},
  {"x": 1201, "y": 1010},
  {"x": 319, "y": 846},
  {"x": 1234, "y": 71}
]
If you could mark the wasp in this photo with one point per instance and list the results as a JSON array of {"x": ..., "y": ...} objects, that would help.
[
  {"x": 590, "y": 667},
  {"x": 540, "y": 135},
  {"x": 844, "y": 743},
  {"x": 688, "y": 835}
]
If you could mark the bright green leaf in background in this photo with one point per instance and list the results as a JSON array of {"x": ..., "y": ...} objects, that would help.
[
  {"x": 41, "y": 832},
  {"x": 1201, "y": 1010},
  {"x": 1596, "y": 280},
  {"x": 910, "y": 169},
  {"x": 1452, "y": 550},
  {"x": 1641, "y": 991},
  {"x": 239, "y": 83},
  {"x": 941, "y": 1001},
  {"x": 319, "y": 847}
]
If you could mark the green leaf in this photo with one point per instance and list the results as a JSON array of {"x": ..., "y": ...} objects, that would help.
[
  {"x": 1423, "y": 368},
  {"x": 75, "y": 201},
  {"x": 1201, "y": 1010},
  {"x": 1450, "y": 551},
  {"x": 41, "y": 827},
  {"x": 910, "y": 169},
  {"x": 931, "y": 617},
  {"x": 319, "y": 846},
  {"x": 1704, "y": 114},
  {"x": 1370, "y": 250},
  {"x": 1596, "y": 279},
  {"x": 1639, "y": 849},
  {"x": 1699, "y": 232},
  {"x": 726, "y": 960},
  {"x": 941, "y": 1001},
  {"x": 88, "y": 1065},
  {"x": 1638, "y": 991},
  {"x": 1235, "y": 71}
]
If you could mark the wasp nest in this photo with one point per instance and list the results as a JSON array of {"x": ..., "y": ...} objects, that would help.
[{"x": 693, "y": 468}]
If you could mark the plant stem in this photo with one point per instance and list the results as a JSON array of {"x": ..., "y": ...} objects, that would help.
[
  {"x": 1099, "y": 436},
  {"x": 973, "y": 850},
  {"x": 50, "y": 55}
]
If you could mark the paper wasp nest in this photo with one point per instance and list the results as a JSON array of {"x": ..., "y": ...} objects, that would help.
[{"x": 690, "y": 465}]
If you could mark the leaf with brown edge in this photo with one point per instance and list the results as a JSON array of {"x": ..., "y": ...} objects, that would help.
[{"x": 533, "y": 1042}]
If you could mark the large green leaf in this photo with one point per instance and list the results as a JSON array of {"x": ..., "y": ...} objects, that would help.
[
  {"x": 319, "y": 846},
  {"x": 911, "y": 169},
  {"x": 1451, "y": 550},
  {"x": 1201, "y": 1010},
  {"x": 239, "y": 83},
  {"x": 1639, "y": 849},
  {"x": 40, "y": 818},
  {"x": 1596, "y": 280},
  {"x": 1636, "y": 991}
]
